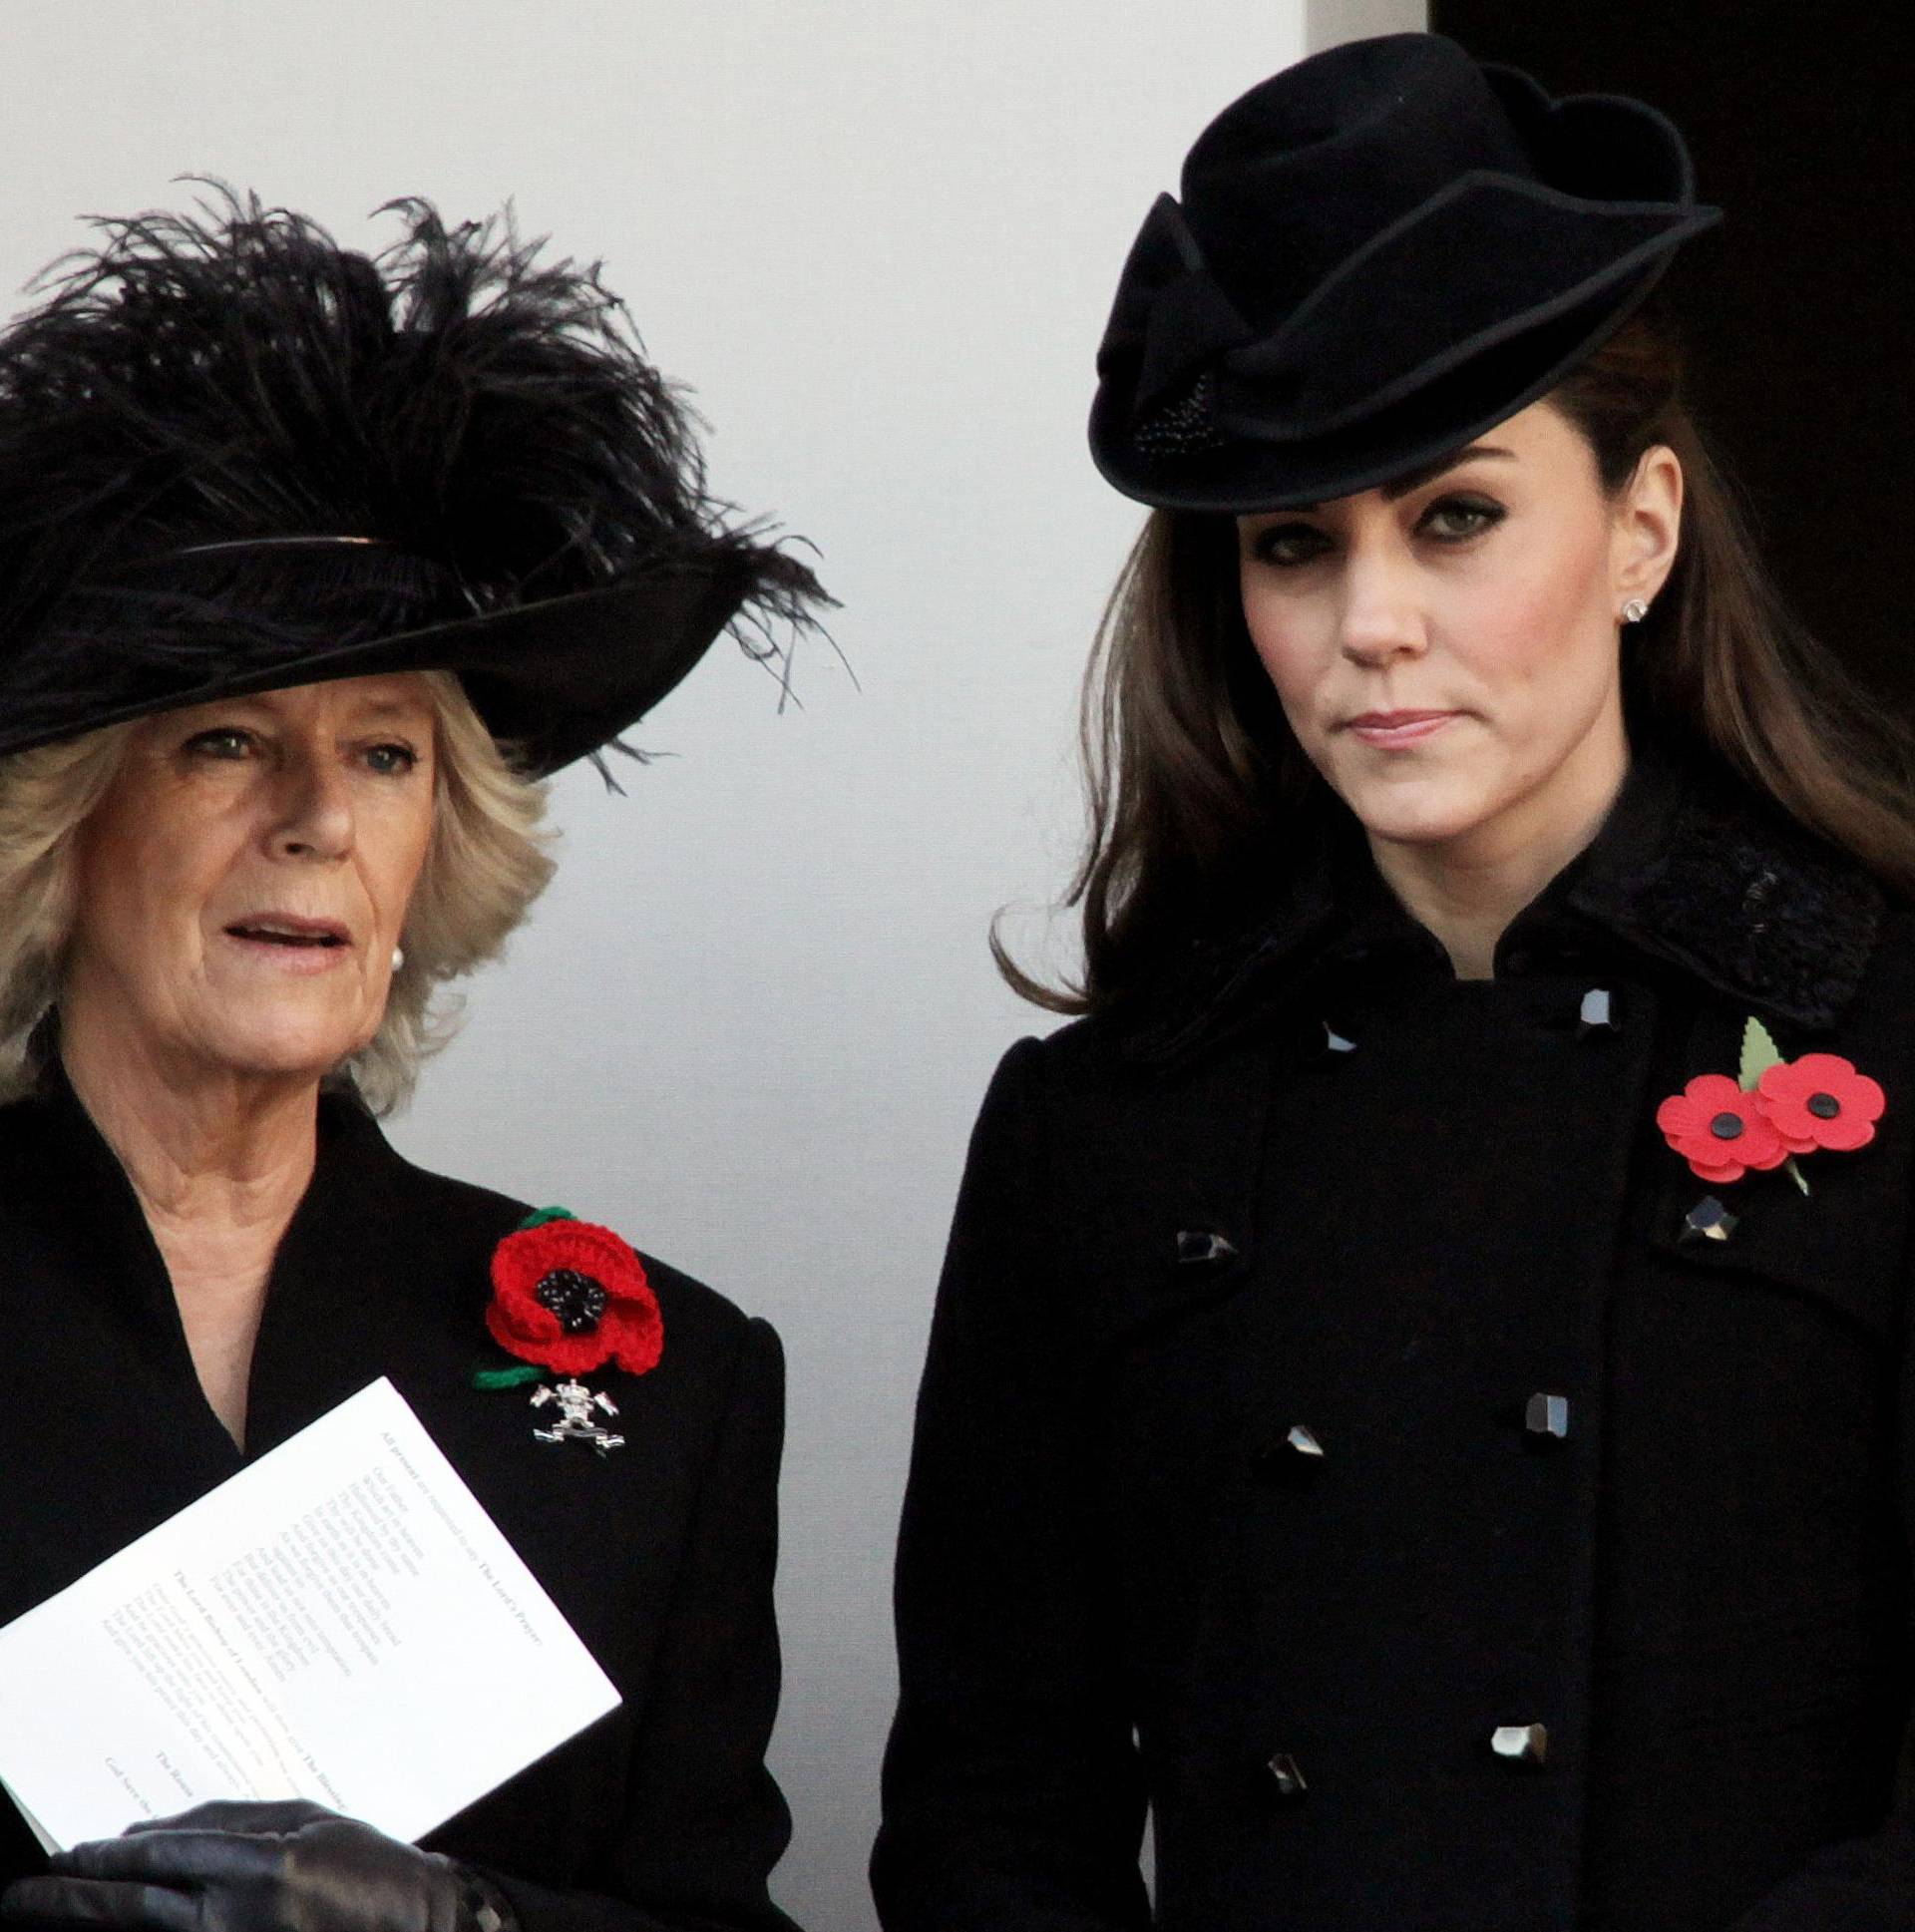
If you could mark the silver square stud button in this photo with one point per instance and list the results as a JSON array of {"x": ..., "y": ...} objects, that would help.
[
  {"x": 1707, "y": 1220},
  {"x": 1597, "y": 1012},
  {"x": 1204, "y": 1248},
  {"x": 1521, "y": 1743},
  {"x": 1288, "y": 1454}
]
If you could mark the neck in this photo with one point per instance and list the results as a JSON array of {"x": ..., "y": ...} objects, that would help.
[
  {"x": 218, "y": 1161},
  {"x": 1468, "y": 889},
  {"x": 198, "y": 1145}
]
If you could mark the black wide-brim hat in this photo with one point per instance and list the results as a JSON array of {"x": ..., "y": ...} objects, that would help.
[
  {"x": 1378, "y": 254},
  {"x": 235, "y": 457},
  {"x": 554, "y": 679}
]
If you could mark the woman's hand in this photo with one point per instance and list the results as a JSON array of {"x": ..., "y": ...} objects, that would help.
[{"x": 249, "y": 1867}]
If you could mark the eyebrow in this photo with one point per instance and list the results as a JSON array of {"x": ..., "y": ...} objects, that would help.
[
  {"x": 371, "y": 713},
  {"x": 395, "y": 707},
  {"x": 1400, "y": 487}
]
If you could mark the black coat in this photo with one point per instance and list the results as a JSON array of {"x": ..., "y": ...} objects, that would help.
[
  {"x": 661, "y": 1554},
  {"x": 1332, "y": 1188}
]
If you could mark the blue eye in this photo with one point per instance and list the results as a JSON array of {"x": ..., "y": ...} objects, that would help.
[{"x": 392, "y": 761}]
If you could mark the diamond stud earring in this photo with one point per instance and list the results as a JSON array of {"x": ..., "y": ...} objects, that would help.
[
  {"x": 1634, "y": 610},
  {"x": 398, "y": 957}
]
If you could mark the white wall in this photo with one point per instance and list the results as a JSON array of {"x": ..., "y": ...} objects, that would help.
[
  {"x": 1329, "y": 22},
  {"x": 751, "y": 1022}
]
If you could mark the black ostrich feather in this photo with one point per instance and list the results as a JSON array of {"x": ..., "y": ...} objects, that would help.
[{"x": 199, "y": 390}]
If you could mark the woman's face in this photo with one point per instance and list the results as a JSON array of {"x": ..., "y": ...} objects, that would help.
[
  {"x": 1445, "y": 647},
  {"x": 245, "y": 879}
]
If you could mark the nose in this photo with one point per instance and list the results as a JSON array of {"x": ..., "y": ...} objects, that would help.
[
  {"x": 1381, "y": 618},
  {"x": 314, "y": 816}
]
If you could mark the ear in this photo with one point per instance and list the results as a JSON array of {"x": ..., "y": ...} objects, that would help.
[{"x": 1648, "y": 527}]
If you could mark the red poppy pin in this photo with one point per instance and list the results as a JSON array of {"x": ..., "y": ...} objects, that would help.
[
  {"x": 567, "y": 1297},
  {"x": 1775, "y": 1111}
]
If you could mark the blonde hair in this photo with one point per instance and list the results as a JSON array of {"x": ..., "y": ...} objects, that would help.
[{"x": 487, "y": 860}]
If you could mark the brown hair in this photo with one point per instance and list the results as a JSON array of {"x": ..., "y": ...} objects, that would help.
[{"x": 1192, "y": 770}]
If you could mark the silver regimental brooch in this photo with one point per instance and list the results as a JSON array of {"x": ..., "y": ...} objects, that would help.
[{"x": 577, "y": 1408}]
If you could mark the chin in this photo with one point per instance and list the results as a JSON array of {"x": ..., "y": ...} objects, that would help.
[
  {"x": 247, "y": 1063},
  {"x": 1419, "y": 812},
  {"x": 276, "y": 1047}
]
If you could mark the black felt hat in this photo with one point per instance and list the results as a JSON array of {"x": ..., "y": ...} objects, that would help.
[
  {"x": 235, "y": 456},
  {"x": 1379, "y": 253}
]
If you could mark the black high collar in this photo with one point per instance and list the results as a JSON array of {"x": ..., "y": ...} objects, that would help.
[{"x": 1691, "y": 869}]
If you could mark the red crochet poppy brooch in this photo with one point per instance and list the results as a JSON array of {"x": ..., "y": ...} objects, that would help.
[
  {"x": 1776, "y": 1110},
  {"x": 571, "y": 1296},
  {"x": 568, "y": 1297}
]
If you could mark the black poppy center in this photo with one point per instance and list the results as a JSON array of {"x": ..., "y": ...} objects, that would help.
[
  {"x": 1825, "y": 1106},
  {"x": 1725, "y": 1126},
  {"x": 577, "y": 1300}
]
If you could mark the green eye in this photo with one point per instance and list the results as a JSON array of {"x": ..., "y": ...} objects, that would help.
[{"x": 1455, "y": 518}]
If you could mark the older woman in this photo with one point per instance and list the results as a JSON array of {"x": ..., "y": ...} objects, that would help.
[
  {"x": 1422, "y": 1399},
  {"x": 311, "y": 568}
]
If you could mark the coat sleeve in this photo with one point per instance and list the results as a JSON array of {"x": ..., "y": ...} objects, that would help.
[
  {"x": 1867, "y": 1884},
  {"x": 1013, "y": 1793},
  {"x": 704, "y": 1821}
]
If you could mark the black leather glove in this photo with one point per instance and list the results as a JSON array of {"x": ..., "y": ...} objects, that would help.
[{"x": 248, "y": 1867}]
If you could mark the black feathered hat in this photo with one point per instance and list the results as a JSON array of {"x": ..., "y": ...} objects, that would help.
[
  {"x": 235, "y": 456},
  {"x": 1379, "y": 253}
]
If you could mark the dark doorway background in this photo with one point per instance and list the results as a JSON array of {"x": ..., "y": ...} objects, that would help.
[{"x": 1799, "y": 310}]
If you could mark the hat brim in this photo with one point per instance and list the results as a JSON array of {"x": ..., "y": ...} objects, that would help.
[
  {"x": 1447, "y": 411},
  {"x": 551, "y": 681}
]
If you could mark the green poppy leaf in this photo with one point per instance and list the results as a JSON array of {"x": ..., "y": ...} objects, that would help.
[
  {"x": 516, "y": 1377},
  {"x": 1759, "y": 1053}
]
